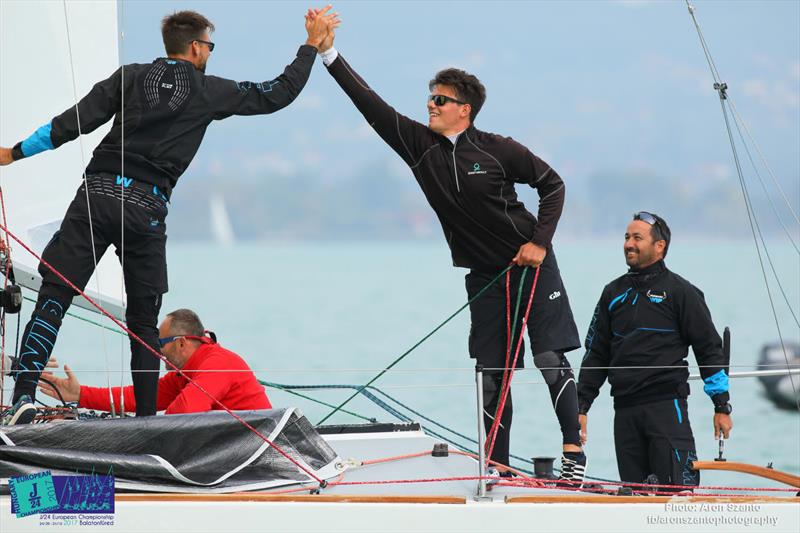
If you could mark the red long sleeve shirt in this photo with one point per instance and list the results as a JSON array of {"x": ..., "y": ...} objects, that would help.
[{"x": 238, "y": 390}]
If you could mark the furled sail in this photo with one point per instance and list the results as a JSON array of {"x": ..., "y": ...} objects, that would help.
[{"x": 197, "y": 452}]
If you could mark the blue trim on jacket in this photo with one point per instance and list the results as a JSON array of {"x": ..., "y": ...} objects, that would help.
[
  {"x": 39, "y": 141},
  {"x": 716, "y": 384}
]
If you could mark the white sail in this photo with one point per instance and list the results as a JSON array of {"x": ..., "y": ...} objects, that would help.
[
  {"x": 39, "y": 64},
  {"x": 221, "y": 226}
]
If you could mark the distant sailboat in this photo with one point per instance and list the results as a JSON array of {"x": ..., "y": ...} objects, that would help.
[{"x": 221, "y": 227}]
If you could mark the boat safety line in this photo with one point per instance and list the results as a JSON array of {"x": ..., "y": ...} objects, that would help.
[
  {"x": 132, "y": 335},
  {"x": 423, "y": 339},
  {"x": 778, "y": 369},
  {"x": 490, "y": 439}
]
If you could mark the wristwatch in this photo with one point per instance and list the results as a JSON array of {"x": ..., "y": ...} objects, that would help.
[{"x": 723, "y": 408}]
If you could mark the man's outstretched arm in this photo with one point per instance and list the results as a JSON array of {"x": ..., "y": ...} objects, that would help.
[
  {"x": 261, "y": 98},
  {"x": 94, "y": 110},
  {"x": 408, "y": 138},
  {"x": 69, "y": 389}
]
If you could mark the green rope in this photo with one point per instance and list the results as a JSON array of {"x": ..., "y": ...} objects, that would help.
[
  {"x": 423, "y": 339},
  {"x": 326, "y": 404},
  {"x": 87, "y": 320},
  {"x": 513, "y": 334}
]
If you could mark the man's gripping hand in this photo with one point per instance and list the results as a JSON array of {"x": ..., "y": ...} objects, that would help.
[
  {"x": 529, "y": 254},
  {"x": 722, "y": 424}
]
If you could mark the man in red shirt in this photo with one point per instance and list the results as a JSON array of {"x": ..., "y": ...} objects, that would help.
[{"x": 183, "y": 343}]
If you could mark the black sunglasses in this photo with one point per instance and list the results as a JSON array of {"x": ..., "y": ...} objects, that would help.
[
  {"x": 651, "y": 219},
  {"x": 209, "y": 43},
  {"x": 439, "y": 100}
]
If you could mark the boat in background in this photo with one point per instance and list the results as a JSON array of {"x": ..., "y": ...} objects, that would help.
[{"x": 780, "y": 389}]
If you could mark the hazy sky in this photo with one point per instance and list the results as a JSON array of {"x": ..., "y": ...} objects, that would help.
[{"x": 590, "y": 86}]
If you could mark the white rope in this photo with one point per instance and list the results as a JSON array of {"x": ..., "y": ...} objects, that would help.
[
  {"x": 86, "y": 187},
  {"x": 122, "y": 200}
]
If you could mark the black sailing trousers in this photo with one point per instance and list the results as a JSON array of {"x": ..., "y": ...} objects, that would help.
[
  {"x": 552, "y": 331},
  {"x": 70, "y": 253},
  {"x": 656, "y": 438}
]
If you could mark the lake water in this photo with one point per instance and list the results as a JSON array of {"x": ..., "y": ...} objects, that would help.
[{"x": 337, "y": 313}]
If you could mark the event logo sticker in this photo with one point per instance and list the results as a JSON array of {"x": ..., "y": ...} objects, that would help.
[
  {"x": 32, "y": 494},
  {"x": 64, "y": 500}
]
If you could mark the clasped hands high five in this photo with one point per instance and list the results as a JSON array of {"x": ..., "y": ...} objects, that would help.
[{"x": 320, "y": 26}]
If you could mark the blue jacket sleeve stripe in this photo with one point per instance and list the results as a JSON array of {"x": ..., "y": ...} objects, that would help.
[
  {"x": 38, "y": 142},
  {"x": 716, "y": 384}
]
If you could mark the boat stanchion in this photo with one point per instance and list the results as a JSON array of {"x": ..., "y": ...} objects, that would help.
[
  {"x": 721, "y": 450},
  {"x": 481, "y": 437}
]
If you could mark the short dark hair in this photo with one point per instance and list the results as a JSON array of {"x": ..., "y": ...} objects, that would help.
[
  {"x": 659, "y": 231},
  {"x": 468, "y": 88},
  {"x": 185, "y": 322},
  {"x": 181, "y": 28}
]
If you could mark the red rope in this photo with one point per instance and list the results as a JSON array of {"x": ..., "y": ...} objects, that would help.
[
  {"x": 523, "y": 480},
  {"x": 563, "y": 485},
  {"x": 509, "y": 369},
  {"x": 5, "y": 284},
  {"x": 157, "y": 354}
]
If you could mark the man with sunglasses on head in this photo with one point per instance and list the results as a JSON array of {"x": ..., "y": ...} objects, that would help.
[
  {"x": 638, "y": 339},
  {"x": 190, "y": 348},
  {"x": 468, "y": 177},
  {"x": 166, "y": 106}
]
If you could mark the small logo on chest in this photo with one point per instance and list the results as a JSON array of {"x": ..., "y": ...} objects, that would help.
[
  {"x": 476, "y": 169},
  {"x": 657, "y": 297}
]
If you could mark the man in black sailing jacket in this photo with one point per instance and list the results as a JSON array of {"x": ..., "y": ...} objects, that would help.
[
  {"x": 638, "y": 339},
  {"x": 161, "y": 111},
  {"x": 468, "y": 177}
]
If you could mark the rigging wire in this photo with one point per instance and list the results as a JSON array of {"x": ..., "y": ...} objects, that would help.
[
  {"x": 121, "y": 41},
  {"x": 737, "y": 120},
  {"x": 749, "y": 200},
  {"x": 721, "y": 89},
  {"x": 86, "y": 188},
  {"x": 765, "y": 163}
]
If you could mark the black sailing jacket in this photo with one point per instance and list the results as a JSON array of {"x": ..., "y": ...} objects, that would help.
[
  {"x": 470, "y": 185},
  {"x": 168, "y": 106},
  {"x": 647, "y": 320}
]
